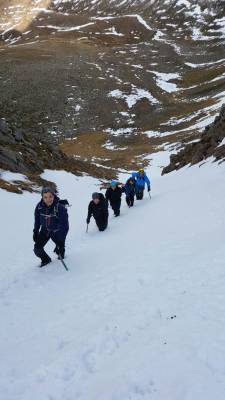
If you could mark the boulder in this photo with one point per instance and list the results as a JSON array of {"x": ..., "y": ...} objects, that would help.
[
  {"x": 6, "y": 139},
  {"x": 208, "y": 146},
  {"x": 4, "y": 128},
  {"x": 19, "y": 134}
]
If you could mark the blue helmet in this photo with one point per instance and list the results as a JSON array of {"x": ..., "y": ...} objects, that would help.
[{"x": 114, "y": 183}]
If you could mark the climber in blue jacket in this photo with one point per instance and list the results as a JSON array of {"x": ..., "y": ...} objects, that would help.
[{"x": 141, "y": 181}]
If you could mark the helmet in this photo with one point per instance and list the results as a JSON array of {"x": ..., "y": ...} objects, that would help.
[
  {"x": 114, "y": 183},
  {"x": 141, "y": 170}
]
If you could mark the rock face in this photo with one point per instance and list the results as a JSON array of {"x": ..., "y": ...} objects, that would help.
[
  {"x": 208, "y": 145},
  {"x": 74, "y": 67},
  {"x": 26, "y": 153},
  {"x": 124, "y": 69},
  {"x": 30, "y": 153}
]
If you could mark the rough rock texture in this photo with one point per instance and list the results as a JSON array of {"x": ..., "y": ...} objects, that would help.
[
  {"x": 26, "y": 153},
  {"x": 208, "y": 145},
  {"x": 29, "y": 153}
]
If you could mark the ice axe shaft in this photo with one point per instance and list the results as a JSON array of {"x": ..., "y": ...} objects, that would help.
[{"x": 63, "y": 262}]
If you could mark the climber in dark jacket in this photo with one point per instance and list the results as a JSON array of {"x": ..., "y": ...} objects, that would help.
[
  {"x": 98, "y": 208},
  {"x": 51, "y": 222},
  {"x": 129, "y": 190},
  {"x": 113, "y": 195}
]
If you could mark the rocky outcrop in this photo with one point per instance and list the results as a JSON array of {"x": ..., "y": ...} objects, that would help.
[
  {"x": 30, "y": 153},
  {"x": 27, "y": 154},
  {"x": 208, "y": 145}
]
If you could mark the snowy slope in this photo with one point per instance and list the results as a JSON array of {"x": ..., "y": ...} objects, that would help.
[{"x": 139, "y": 316}]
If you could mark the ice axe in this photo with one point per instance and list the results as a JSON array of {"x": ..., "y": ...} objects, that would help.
[{"x": 63, "y": 262}]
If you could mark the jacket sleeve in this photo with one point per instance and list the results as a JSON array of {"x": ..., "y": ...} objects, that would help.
[
  {"x": 89, "y": 211},
  {"x": 63, "y": 220},
  {"x": 36, "y": 219},
  {"x": 107, "y": 195},
  {"x": 147, "y": 181},
  {"x": 105, "y": 210}
]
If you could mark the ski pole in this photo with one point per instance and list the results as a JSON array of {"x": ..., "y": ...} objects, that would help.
[
  {"x": 87, "y": 229},
  {"x": 63, "y": 262},
  {"x": 149, "y": 195}
]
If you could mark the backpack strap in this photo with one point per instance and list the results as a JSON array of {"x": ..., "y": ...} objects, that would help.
[{"x": 56, "y": 210}]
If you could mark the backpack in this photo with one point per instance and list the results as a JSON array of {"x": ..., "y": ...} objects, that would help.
[{"x": 64, "y": 203}]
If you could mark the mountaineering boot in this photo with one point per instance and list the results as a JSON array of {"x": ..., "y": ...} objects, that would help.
[{"x": 45, "y": 262}]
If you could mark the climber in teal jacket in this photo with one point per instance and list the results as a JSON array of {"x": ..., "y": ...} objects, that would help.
[{"x": 141, "y": 180}]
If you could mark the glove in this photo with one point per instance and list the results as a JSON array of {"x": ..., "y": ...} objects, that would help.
[
  {"x": 88, "y": 221},
  {"x": 35, "y": 235},
  {"x": 149, "y": 189}
]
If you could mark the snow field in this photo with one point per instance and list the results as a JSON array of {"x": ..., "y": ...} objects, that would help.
[{"x": 139, "y": 316}]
